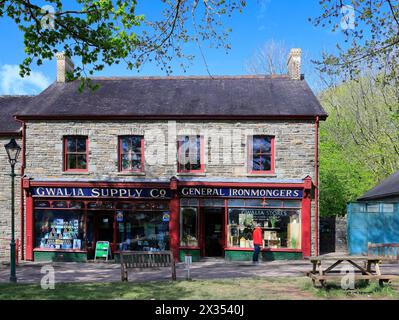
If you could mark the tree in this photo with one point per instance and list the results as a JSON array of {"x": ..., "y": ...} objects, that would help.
[
  {"x": 106, "y": 32},
  {"x": 371, "y": 30},
  {"x": 269, "y": 59}
]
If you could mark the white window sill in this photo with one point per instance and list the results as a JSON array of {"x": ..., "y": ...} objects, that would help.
[
  {"x": 131, "y": 174},
  {"x": 265, "y": 175},
  {"x": 191, "y": 174},
  {"x": 77, "y": 173}
]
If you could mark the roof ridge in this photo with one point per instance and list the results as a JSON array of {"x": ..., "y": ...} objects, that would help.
[{"x": 193, "y": 77}]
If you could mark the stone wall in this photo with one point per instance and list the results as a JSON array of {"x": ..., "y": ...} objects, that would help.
[
  {"x": 341, "y": 234},
  {"x": 294, "y": 145},
  {"x": 5, "y": 201}
]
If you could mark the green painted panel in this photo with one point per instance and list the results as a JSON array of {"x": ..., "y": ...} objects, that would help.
[
  {"x": 59, "y": 256},
  {"x": 232, "y": 255},
  {"x": 195, "y": 253}
]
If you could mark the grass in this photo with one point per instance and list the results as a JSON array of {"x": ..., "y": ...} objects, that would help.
[{"x": 237, "y": 289}]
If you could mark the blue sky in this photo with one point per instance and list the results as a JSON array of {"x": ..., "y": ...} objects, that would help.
[{"x": 261, "y": 21}]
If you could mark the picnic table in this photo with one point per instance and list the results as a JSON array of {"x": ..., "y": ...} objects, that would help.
[{"x": 363, "y": 267}]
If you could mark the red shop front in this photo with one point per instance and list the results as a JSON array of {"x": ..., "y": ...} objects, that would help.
[{"x": 64, "y": 220}]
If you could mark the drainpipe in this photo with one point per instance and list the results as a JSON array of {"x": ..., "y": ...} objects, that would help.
[
  {"x": 316, "y": 186},
  {"x": 21, "y": 202}
]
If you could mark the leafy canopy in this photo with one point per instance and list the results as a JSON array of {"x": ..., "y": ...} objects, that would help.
[
  {"x": 106, "y": 32},
  {"x": 372, "y": 40}
]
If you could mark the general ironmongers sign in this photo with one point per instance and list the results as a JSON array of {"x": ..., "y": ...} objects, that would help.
[
  {"x": 261, "y": 193},
  {"x": 128, "y": 193}
]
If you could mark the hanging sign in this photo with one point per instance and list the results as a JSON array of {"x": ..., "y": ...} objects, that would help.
[
  {"x": 119, "y": 216},
  {"x": 166, "y": 216}
]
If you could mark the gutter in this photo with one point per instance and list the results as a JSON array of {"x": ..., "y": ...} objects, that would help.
[{"x": 316, "y": 187}]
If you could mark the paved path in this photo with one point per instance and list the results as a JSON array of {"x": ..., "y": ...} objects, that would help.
[{"x": 30, "y": 272}]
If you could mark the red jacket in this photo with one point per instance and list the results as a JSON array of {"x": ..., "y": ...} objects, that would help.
[{"x": 257, "y": 236}]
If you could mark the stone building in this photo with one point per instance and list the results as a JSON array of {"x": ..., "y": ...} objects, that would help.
[{"x": 188, "y": 164}]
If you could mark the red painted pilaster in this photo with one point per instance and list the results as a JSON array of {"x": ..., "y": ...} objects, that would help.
[
  {"x": 29, "y": 227},
  {"x": 306, "y": 219},
  {"x": 174, "y": 209}
]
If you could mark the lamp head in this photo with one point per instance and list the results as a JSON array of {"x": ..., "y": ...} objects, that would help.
[{"x": 13, "y": 151}]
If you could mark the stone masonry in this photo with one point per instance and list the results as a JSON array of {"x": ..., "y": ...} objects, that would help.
[{"x": 5, "y": 201}]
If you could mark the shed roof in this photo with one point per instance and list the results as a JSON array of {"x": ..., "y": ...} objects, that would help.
[{"x": 387, "y": 189}]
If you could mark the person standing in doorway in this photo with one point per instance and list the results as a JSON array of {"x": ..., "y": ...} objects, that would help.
[{"x": 257, "y": 238}]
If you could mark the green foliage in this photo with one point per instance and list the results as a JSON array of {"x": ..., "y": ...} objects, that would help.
[
  {"x": 342, "y": 178},
  {"x": 359, "y": 142},
  {"x": 106, "y": 32}
]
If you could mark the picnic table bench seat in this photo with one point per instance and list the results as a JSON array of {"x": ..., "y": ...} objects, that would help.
[
  {"x": 365, "y": 272},
  {"x": 144, "y": 260}
]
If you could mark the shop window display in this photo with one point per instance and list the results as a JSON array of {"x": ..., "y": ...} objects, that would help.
[
  {"x": 57, "y": 229},
  {"x": 188, "y": 227},
  {"x": 281, "y": 227},
  {"x": 142, "y": 231}
]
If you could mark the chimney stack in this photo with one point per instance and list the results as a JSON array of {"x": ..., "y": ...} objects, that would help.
[
  {"x": 64, "y": 65},
  {"x": 294, "y": 64}
]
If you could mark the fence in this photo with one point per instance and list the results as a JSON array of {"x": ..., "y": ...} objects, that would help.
[{"x": 372, "y": 222}]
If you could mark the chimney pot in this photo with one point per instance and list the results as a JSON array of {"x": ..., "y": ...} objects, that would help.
[
  {"x": 294, "y": 64},
  {"x": 64, "y": 65}
]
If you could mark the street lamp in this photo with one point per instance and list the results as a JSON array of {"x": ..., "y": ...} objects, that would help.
[{"x": 13, "y": 150}]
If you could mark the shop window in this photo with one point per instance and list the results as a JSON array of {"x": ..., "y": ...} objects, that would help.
[
  {"x": 143, "y": 231},
  {"x": 75, "y": 153},
  {"x": 190, "y": 154},
  {"x": 131, "y": 154},
  {"x": 281, "y": 228},
  {"x": 58, "y": 229},
  {"x": 188, "y": 227},
  {"x": 261, "y": 154},
  {"x": 59, "y": 204}
]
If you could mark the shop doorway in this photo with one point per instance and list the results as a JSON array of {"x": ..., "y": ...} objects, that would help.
[
  {"x": 100, "y": 227},
  {"x": 213, "y": 232}
]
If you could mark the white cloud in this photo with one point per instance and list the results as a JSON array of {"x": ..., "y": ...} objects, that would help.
[{"x": 11, "y": 82}]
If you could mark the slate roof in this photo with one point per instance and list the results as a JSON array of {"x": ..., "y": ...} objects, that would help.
[
  {"x": 178, "y": 97},
  {"x": 10, "y": 105},
  {"x": 388, "y": 188}
]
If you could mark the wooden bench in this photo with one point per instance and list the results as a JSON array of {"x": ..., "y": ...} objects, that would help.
[
  {"x": 384, "y": 250},
  {"x": 144, "y": 260}
]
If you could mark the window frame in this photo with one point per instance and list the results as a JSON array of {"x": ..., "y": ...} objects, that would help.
[
  {"x": 251, "y": 158},
  {"x": 202, "y": 163},
  {"x": 120, "y": 168},
  {"x": 66, "y": 153}
]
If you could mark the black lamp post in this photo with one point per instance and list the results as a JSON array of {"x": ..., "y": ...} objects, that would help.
[{"x": 13, "y": 150}]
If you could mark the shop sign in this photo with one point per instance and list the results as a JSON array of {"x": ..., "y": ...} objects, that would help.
[
  {"x": 262, "y": 193},
  {"x": 128, "y": 193}
]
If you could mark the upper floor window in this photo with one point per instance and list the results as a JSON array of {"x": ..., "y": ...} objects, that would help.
[
  {"x": 131, "y": 154},
  {"x": 76, "y": 153},
  {"x": 261, "y": 154},
  {"x": 190, "y": 153}
]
